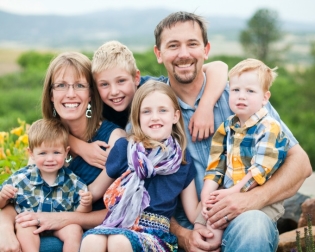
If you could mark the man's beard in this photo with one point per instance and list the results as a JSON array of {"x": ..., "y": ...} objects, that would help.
[{"x": 186, "y": 78}]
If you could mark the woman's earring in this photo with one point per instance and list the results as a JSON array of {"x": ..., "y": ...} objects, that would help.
[
  {"x": 54, "y": 112},
  {"x": 88, "y": 112}
]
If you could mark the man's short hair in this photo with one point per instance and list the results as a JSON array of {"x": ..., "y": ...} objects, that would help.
[{"x": 176, "y": 17}]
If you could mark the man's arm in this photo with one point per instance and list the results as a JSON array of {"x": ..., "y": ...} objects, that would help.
[
  {"x": 181, "y": 233},
  {"x": 282, "y": 185},
  {"x": 8, "y": 240},
  {"x": 58, "y": 220}
]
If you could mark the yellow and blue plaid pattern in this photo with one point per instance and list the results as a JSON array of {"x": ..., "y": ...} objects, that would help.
[
  {"x": 260, "y": 146},
  {"x": 34, "y": 194}
]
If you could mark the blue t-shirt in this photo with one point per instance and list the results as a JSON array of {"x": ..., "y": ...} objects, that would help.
[
  {"x": 163, "y": 189},
  {"x": 87, "y": 172}
]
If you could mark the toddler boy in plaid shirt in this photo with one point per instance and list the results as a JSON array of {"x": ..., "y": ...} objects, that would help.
[
  {"x": 249, "y": 146},
  {"x": 47, "y": 186}
]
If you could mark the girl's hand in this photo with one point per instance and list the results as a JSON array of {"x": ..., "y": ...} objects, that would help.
[{"x": 8, "y": 192}]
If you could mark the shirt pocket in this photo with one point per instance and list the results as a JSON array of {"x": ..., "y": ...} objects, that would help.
[
  {"x": 27, "y": 202},
  {"x": 62, "y": 205}
]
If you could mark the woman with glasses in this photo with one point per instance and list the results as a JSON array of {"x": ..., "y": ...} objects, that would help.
[{"x": 69, "y": 94}]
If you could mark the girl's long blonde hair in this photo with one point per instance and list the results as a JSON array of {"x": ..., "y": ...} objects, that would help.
[{"x": 136, "y": 132}]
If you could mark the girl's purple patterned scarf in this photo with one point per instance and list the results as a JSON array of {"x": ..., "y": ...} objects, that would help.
[{"x": 126, "y": 198}]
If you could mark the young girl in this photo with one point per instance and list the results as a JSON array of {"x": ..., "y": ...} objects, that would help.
[{"x": 151, "y": 170}]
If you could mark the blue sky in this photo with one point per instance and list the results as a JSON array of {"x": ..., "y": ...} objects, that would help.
[{"x": 297, "y": 10}]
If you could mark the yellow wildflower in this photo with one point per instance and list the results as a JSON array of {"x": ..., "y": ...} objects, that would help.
[
  {"x": 2, "y": 154},
  {"x": 8, "y": 152},
  {"x": 3, "y": 137},
  {"x": 17, "y": 131},
  {"x": 24, "y": 139}
]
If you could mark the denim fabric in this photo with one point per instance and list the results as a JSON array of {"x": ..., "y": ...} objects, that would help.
[
  {"x": 50, "y": 244},
  {"x": 251, "y": 231}
]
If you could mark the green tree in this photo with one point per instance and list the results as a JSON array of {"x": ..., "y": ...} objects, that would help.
[{"x": 262, "y": 30}]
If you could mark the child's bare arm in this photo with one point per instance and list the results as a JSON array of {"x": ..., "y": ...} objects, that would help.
[
  {"x": 201, "y": 124},
  {"x": 99, "y": 186},
  {"x": 190, "y": 202},
  {"x": 7, "y": 192},
  {"x": 209, "y": 186}
]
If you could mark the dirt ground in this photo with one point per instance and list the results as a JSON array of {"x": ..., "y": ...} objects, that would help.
[{"x": 8, "y": 58}]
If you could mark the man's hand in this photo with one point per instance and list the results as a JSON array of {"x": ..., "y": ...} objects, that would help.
[
  {"x": 231, "y": 206},
  {"x": 197, "y": 240},
  {"x": 201, "y": 124}
]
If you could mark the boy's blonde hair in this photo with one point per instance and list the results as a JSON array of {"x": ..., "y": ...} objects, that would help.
[
  {"x": 136, "y": 132},
  {"x": 113, "y": 54},
  {"x": 266, "y": 75},
  {"x": 49, "y": 131}
]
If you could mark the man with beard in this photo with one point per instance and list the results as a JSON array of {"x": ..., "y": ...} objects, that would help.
[{"x": 182, "y": 46}]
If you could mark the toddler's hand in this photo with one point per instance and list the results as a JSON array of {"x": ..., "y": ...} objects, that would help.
[
  {"x": 8, "y": 192},
  {"x": 205, "y": 211},
  {"x": 86, "y": 198}
]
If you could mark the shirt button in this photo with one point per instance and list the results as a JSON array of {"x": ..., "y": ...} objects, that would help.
[
  {"x": 47, "y": 199},
  {"x": 237, "y": 181}
]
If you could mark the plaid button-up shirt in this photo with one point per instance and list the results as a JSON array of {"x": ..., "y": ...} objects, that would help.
[
  {"x": 34, "y": 194},
  {"x": 260, "y": 146}
]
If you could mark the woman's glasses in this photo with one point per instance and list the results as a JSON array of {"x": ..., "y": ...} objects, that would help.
[{"x": 66, "y": 86}]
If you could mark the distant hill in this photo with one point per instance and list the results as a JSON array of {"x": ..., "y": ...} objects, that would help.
[{"x": 87, "y": 32}]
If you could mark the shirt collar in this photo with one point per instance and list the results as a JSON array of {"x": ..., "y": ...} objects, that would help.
[
  {"x": 254, "y": 119},
  {"x": 36, "y": 178},
  {"x": 183, "y": 104}
]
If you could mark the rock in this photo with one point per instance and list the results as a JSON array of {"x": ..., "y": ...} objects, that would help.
[
  {"x": 308, "y": 207},
  {"x": 289, "y": 221},
  {"x": 287, "y": 241}
]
